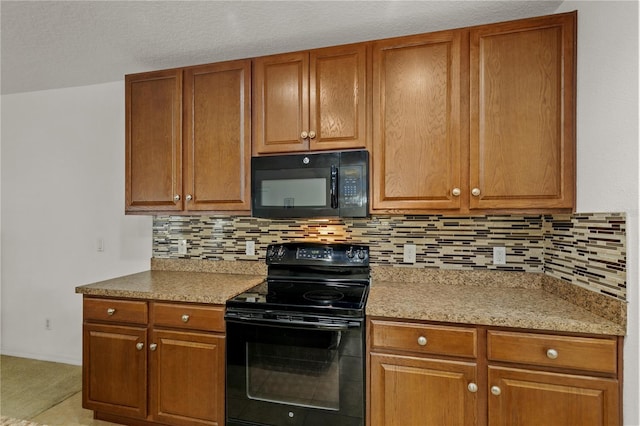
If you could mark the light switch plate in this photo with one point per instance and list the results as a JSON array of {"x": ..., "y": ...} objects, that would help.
[
  {"x": 182, "y": 246},
  {"x": 250, "y": 248},
  {"x": 499, "y": 256},
  {"x": 409, "y": 253}
]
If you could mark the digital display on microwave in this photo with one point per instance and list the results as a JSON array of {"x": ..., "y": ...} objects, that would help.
[{"x": 291, "y": 193}]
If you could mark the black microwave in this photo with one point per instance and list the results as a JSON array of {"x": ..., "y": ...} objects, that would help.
[{"x": 321, "y": 185}]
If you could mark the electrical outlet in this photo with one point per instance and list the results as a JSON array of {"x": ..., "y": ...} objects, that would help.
[
  {"x": 409, "y": 253},
  {"x": 182, "y": 246},
  {"x": 100, "y": 244},
  {"x": 250, "y": 248},
  {"x": 499, "y": 256}
]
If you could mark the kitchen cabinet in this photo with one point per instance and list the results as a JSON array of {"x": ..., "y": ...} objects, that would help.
[
  {"x": 419, "y": 91},
  {"x": 114, "y": 360},
  {"x": 153, "y": 151},
  {"x": 522, "y": 123},
  {"x": 311, "y": 100},
  {"x": 413, "y": 382},
  {"x": 579, "y": 384},
  {"x": 189, "y": 139},
  {"x": 154, "y": 362},
  {"x": 479, "y": 119},
  {"x": 423, "y": 373}
]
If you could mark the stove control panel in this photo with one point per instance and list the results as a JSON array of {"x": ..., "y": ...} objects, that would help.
[{"x": 308, "y": 253}]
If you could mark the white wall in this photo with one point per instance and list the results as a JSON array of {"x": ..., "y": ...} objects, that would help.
[
  {"x": 62, "y": 189},
  {"x": 607, "y": 138}
]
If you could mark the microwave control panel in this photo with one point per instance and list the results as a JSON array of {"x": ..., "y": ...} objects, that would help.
[{"x": 351, "y": 187}]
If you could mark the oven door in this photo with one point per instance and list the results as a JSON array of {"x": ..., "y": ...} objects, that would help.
[{"x": 284, "y": 373}]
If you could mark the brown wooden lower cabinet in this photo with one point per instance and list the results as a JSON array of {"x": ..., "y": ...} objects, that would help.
[
  {"x": 444, "y": 374},
  {"x": 525, "y": 397},
  {"x": 416, "y": 391},
  {"x": 144, "y": 364},
  {"x": 114, "y": 369},
  {"x": 187, "y": 378}
]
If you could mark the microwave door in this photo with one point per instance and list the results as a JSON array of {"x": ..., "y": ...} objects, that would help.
[{"x": 292, "y": 192}]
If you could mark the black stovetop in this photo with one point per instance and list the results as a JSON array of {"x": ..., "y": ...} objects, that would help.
[{"x": 314, "y": 278}]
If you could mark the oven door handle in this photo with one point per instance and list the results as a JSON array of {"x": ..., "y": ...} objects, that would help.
[{"x": 297, "y": 324}]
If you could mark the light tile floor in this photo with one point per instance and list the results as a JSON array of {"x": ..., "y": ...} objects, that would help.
[{"x": 69, "y": 413}]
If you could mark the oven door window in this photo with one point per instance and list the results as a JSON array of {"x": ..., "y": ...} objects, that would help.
[{"x": 305, "y": 371}]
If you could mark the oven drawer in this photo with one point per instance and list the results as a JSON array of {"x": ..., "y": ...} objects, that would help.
[
  {"x": 424, "y": 338},
  {"x": 185, "y": 315},
  {"x": 115, "y": 310},
  {"x": 582, "y": 353}
]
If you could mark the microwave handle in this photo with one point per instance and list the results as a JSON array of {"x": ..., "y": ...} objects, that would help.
[{"x": 334, "y": 187}]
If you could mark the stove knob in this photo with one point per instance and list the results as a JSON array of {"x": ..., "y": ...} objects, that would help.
[
  {"x": 362, "y": 254},
  {"x": 280, "y": 251},
  {"x": 350, "y": 253}
]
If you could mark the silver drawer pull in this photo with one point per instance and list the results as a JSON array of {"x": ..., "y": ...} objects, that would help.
[
  {"x": 139, "y": 346},
  {"x": 153, "y": 346},
  {"x": 422, "y": 340},
  {"x": 473, "y": 388},
  {"x": 111, "y": 311},
  {"x": 552, "y": 354},
  {"x": 185, "y": 318},
  {"x": 496, "y": 390}
]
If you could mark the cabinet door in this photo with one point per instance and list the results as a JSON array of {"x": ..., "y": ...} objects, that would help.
[
  {"x": 417, "y": 128},
  {"x": 187, "y": 378},
  {"x": 338, "y": 97},
  {"x": 521, "y": 398},
  {"x": 114, "y": 369},
  {"x": 153, "y": 115},
  {"x": 218, "y": 136},
  {"x": 522, "y": 135},
  {"x": 416, "y": 391},
  {"x": 281, "y": 103}
]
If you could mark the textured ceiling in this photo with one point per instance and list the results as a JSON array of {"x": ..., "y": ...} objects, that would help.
[{"x": 55, "y": 44}]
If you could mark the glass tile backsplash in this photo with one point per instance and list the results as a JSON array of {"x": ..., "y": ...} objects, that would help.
[{"x": 587, "y": 250}]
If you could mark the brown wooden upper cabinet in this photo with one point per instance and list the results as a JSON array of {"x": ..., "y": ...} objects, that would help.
[
  {"x": 201, "y": 163},
  {"x": 313, "y": 100},
  {"x": 418, "y": 121},
  {"x": 476, "y": 119},
  {"x": 522, "y": 138},
  {"x": 153, "y": 115}
]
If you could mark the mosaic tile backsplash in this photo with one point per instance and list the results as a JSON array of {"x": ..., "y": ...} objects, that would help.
[{"x": 587, "y": 250}]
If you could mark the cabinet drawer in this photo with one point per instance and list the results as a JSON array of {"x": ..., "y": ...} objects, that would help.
[
  {"x": 423, "y": 338},
  {"x": 184, "y": 315},
  {"x": 582, "y": 353},
  {"x": 115, "y": 310}
]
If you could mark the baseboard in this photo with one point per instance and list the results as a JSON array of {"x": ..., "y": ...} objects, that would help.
[{"x": 42, "y": 357}]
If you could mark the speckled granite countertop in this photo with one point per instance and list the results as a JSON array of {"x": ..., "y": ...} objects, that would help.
[
  {"x": 178, "y": 286},
  {"x": 532, "y": 308},
  {"x": 504, "y": 299}
]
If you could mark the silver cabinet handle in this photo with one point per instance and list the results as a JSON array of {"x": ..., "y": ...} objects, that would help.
[
  {"x": 176, "y": 197},
  {"x": 153, "y": 346},
  {"x": 552, "y": 354},
  {"x": 139, "y": 346},
  {"x": 496, "y": 390},
  {"x": 312, "y": 134},
  {"x": 475, "y": 192},
  {"x": 456, "y": 192},
  {"x": 422, "y": 340},
  {"x": 111, "y": 311},
  {"x": 473, "y": 388},
  {"x": 189, "y": 197},
  {"x": 185, "y": 318},
  {"x": 304, "y": 135}
]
